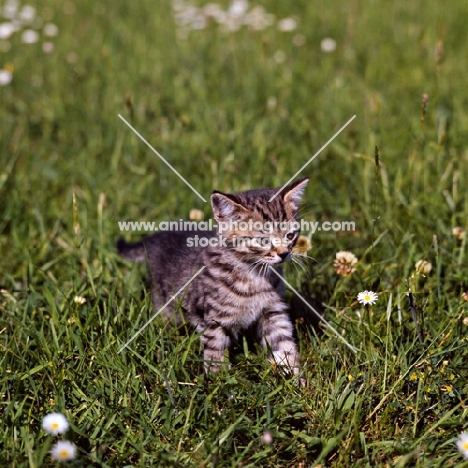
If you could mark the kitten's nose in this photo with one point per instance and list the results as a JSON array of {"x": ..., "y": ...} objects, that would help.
[{"x": 283, "y": 255}]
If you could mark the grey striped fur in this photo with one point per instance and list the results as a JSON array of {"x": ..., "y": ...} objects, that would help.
[{"x": 236, "y": 289}]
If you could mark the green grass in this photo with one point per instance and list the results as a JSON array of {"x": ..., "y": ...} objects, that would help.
[{"x": 71, "y": 169}]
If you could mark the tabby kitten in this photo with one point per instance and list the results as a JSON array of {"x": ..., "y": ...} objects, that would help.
[{"x": 236, "y": 289}]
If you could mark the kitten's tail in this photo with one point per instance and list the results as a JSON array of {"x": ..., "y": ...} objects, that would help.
[{"x": 135, "y": 252}]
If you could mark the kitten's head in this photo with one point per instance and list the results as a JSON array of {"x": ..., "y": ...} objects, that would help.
[{"x": 257, "y": 229}]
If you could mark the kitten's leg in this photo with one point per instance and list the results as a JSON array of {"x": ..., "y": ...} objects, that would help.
[
  {"x": 276, "y": 334},
  {"x": 215, "y": 342}
]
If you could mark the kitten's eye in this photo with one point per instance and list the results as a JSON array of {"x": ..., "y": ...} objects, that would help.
[
  {"x": 265, "y": 241},
  {"x": 291, "y": 236}
]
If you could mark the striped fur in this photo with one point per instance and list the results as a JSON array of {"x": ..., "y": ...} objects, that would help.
[{"x": 236, "y": 289}]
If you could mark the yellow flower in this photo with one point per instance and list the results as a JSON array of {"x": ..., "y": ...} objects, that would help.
[
  {"x": 423, "y": 266},
  {"x": 196, "y": 215},
  {"x": 302, "y": 246},
  {"x": 459, "y": 233}
]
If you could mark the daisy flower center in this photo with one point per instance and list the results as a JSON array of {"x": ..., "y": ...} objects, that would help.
[
  {"x": 367, "y": 297},
  {"x": 63, "y": 454},
  {"x": 465, "y": 445},
  {"x": 54, "y": 426}
]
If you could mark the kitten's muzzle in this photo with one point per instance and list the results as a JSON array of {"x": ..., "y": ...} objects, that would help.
[{"x": 285, "y": 256}]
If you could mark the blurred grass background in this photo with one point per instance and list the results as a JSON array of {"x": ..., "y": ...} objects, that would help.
[{"x": 234, "y": 110}]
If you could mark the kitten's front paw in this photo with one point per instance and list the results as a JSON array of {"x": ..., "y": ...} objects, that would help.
[
  {"x": 301, "y": 382},
  {"x": 214, "y": 367}
]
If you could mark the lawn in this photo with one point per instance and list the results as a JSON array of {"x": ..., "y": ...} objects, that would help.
[{"x": 234, "y": 106}]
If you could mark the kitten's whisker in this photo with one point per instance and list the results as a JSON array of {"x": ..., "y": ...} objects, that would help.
[
  {"x": 306, "y": 213},
  {"x": 254, "y": 265},
  {"x": 260, "y": 272},
  {"x": 306, "y": 256},
  {"x": 296, "y": 262},
  {"x": 253, "y": 268},
  {"x": 295, "y": 258},
  {"x": 293, "y": 263},
  {"x": 304, "y": 264},
  {"x": 303, "y": 261},
  {"x": 300, "y": 211}
]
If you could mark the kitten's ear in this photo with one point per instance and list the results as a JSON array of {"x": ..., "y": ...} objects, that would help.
[
  {"x": 226, "y": 207},
  {"x": 292, "y": 194}
]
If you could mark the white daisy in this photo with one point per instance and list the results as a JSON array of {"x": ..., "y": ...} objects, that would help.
[
  {"x": 50, "y": 29},
  {"x": 63, "y": 450},
  {"x": 27, "y": 13},
  {"x": 80, "y": 300},
  {"x": 267, "y": 438},
  {"x": 462, "y": 444},
  {"x": 47, "y": 47},
  {"x": 29, "y": 36},
  {"x": 367, "y": 297},
  {"x": 287, "y": 24},
  {"x": 238, "y": 8},
  {"x": 10, "y": 9},
  {"x": 6, "y": 30},
  {"x": 5, "y": 77},
  {"x": 55, "y": 423},
  {"x": 328, "y": 45}
]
